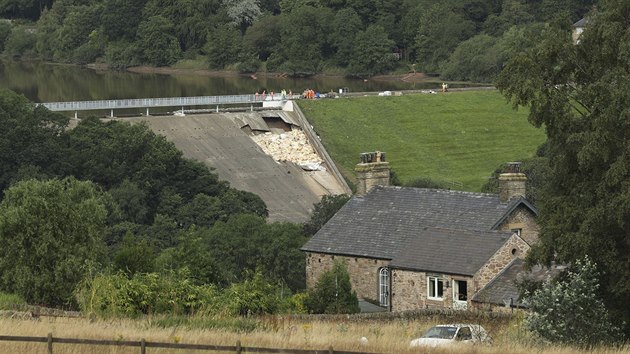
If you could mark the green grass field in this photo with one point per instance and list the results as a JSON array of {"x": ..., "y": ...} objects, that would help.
[{"x": 456, "y": 137}]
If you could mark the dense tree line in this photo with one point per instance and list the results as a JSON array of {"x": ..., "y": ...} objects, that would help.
[
  {"x": 464, "y": 40},
  {"x": 114, "y": 197}
]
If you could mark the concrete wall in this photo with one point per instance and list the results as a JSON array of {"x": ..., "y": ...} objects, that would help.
[
  {"x": 363, "y": 272},
  {"x": 522, "y": 218}
]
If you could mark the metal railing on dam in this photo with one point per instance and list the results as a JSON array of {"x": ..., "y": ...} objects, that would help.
[{"x": 156, "y": 102}]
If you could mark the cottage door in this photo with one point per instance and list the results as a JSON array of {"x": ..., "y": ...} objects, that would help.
[{"x": 460, "y": 295}]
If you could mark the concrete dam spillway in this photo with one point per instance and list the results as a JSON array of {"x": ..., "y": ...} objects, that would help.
[{"x": 227, "y": 142}]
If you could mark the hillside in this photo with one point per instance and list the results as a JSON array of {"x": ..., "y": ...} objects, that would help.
[{"x": 458, "y": 137}]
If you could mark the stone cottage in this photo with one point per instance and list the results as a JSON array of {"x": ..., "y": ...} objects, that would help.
[{"x": 413, "y": 248}]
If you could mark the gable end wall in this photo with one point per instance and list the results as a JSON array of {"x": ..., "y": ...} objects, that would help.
[
  {"x": 363, "y": 271},
  {"x": 522, "y": 218},
  {"x": 514, "y": 247}
]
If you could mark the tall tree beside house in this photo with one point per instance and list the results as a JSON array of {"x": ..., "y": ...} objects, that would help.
[
  {"x": 581, "y": 95},
  {"x": 333, "y": 293}
]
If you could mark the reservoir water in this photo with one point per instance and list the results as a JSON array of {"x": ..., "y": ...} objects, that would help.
[{"x": 43, "y": 82}]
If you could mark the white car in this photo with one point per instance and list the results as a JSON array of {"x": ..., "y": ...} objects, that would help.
[{"x": 448, "y": 334}]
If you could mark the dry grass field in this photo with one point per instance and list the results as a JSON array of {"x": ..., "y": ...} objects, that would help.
[{"x": 391, "y": 336}]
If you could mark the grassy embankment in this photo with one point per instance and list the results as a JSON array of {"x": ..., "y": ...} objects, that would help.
[{"x": 456, "y": 137}]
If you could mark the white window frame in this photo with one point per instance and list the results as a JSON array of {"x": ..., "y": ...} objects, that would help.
[
  {"x": 518, "y": 231},
  {"x": 383, "y": 286},
  {"x": 435, "y": 280}
]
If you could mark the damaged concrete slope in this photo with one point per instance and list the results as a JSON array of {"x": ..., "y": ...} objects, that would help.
[{"x": 226, "y": 142}]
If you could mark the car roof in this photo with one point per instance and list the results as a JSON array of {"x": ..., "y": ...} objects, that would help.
[{"x": 459, "y": 325}]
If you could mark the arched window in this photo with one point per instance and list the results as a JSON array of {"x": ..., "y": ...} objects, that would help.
[{"x": 383, "y": 286}]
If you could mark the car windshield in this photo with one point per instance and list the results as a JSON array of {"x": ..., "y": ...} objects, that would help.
[{"x": 440, "y": 332}]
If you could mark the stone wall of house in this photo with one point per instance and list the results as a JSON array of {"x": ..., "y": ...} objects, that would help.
[
  {"x": 522, "y": 218},
  {"x": 515, "y": 247},
  {"x": 410, "y": 292},
  {"x": 363, "y": 271}
]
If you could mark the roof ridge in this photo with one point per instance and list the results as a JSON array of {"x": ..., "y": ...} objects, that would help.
[{"x": 440, "y": 190}]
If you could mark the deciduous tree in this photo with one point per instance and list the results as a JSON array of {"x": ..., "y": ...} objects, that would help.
[{"x": 51, "y": 233}]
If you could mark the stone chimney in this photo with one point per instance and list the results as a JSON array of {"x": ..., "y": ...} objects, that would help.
[
  {"x": 512, "y": 182},
  {"x": 372, "y": 171}
]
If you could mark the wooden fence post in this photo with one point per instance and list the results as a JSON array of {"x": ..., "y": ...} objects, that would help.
[
  {"x": 50, "y": 343},
  {"x": 330, "y": 350},
  {"x": 238, "y": 347},
  {"x": 143, "y": 346}
]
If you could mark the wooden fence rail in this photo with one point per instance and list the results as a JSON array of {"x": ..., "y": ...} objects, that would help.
[{"x": 143, "y": 345}]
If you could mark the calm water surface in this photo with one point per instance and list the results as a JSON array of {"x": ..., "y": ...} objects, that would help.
[{"x": 42, "y": 82}]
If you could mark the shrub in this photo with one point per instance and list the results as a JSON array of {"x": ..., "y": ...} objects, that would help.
[
  {"x": 150, "y": 293},
  {"x": 570, "y": 312},
  {"x": 333, "y": 293},
  {"x": 8, "y": 300},
  {"x": 254, "y": 296}
]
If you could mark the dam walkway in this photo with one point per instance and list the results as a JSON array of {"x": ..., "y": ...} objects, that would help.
[{"x": 147, "y": 103}]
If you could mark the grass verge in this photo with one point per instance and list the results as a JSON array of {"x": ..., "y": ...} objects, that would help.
[
  {"x": 455, "y": 137},
  {"x": 384, "y": 336}
]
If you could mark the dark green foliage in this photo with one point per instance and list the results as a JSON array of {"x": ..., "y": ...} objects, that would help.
[
  {"x": 372, "y": 53},
  {"x": 159, "y": 47},
  {"x": 131, "y": 201},
  {"x": 304, "y": 34},
  {"x": 345, "y": 27},
  {"x": 5, "y": 31},
  {"x": 581, "y": 94},
  {"x": 20, "y": 43},
  {"x": 227, "y": 252},
  {"x": 134, "y": 256},
  {"x": 297, "y": 37},
  {"x": 29, "y": 138},
  {"x": 441, "y": 30},
  {"x": 223, "y": 46},
  {"x": 29, "y": 9},
  {"x": 476, "y": 59},
  {"x": 52, "y": 233},
  {"x": 119, "y": 19},
  {"x": 333, "y": 293},
  {"x": 263, "y": 37},
  {"x": 570, "y": 311},
  {"x": 323, "y": 211},
  {"x": 426, "y": 182},
  {"x": 122, "y": 54}
]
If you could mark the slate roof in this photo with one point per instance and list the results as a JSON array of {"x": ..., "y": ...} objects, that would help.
[
  {"x": 503, "y": 286},
  {"x": 449, "y": 251},
  {"x": 385, "y": 220}
]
